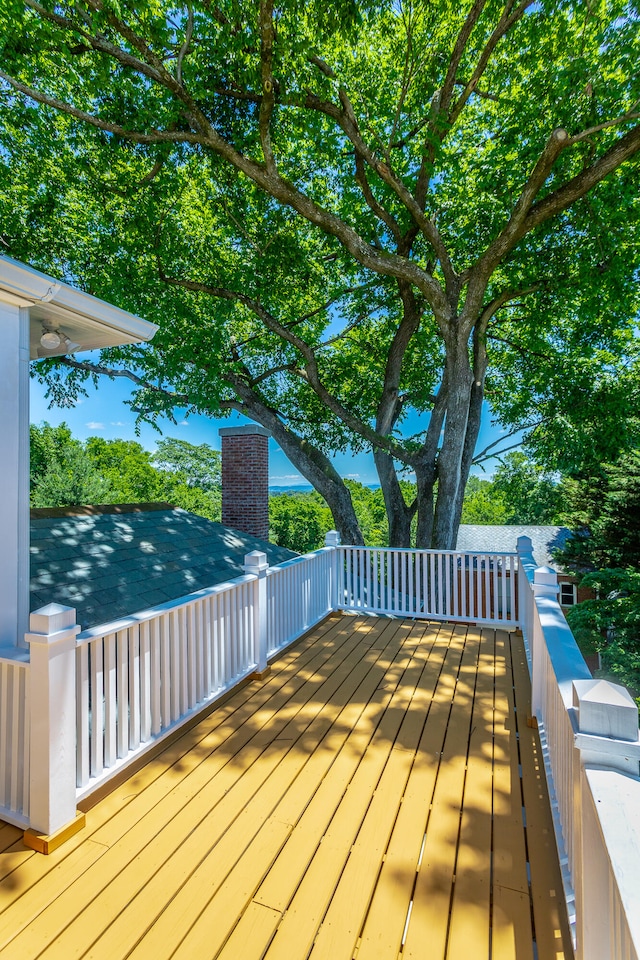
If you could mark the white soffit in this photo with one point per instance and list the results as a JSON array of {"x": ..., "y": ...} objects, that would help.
[{"x": 85, "y": 321}]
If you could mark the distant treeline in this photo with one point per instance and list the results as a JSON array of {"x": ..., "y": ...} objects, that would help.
[{"x": 66, "y": 471}]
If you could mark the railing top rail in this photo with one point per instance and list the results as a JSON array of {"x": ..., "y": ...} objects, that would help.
[
  {"x": 18, "y": 659},
  {"x": 448, "y": 553},
  {"x": 564, "y": 653},
  {"x": 104, "y": 629},
  {"x": 295, "y": 560}
]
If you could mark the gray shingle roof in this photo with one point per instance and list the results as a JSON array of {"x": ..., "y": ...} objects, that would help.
[
  {"x": 111, "y": 565},
  {"x": 503, "y": 537}
]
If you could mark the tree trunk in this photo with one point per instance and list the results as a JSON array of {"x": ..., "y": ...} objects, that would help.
[
  {"x": 399, "y": 515},
  {"x": 451, "y": 482},
  {"x": 312, "y": 464},
  {"x": 424, "y": 495}
]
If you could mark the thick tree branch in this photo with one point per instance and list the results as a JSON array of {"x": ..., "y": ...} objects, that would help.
[
  {"x": 556, "y": 143},
  {"x": 136, "y": 136},
  {"x": 456, "y": 56},
  {"x": 310, "y": 373},
  {"x": 266, "y": 68},
  {"x": 184, "y": 49},
  {"x": 383, "y": 215},
  {"x": 624, "y": 149},
  {"x": 507, "y": 20}
]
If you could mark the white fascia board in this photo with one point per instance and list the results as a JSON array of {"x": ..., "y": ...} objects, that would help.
[{"x": 21, "y": 283}]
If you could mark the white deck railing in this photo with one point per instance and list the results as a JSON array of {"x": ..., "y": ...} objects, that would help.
[
  {"x": 138, "y": 678},
  {"x": 91, "y": 704},
  {"x": 14, "y": 740},
  {"x": 590, "y": 739},
  {"x": 299, "y": 595},
  {"x": 430, "y": 584}
]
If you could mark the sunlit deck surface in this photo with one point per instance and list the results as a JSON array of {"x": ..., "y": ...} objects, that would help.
[{"x": 364, "y": 800}]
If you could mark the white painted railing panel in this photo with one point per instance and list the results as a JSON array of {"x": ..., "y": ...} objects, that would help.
[
  {"x": 139, "y": 678},
  {"x": 595, "y": 810},
  {"x": 611, "y": 831},
  {"x": 14, "y": 741},
  {"x": 439, "y": 585},
  {"x": 299, "y": 594}
]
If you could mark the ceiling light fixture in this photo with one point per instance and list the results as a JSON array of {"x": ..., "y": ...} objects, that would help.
[{"x": 50, "y": 339}]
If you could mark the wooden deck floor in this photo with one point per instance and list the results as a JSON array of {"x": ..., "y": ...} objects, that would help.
[{"x": 365, "y": 800}]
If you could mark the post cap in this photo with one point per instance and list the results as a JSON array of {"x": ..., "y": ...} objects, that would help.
[
  {"x": 605, "y": 709},
  {"x": 332, "y": 539},
  {"x": 52, "y": 618},
  {"x": 524, "y": 545},
  {"x": 255, "y": 562},
  {"x": 545, "y": 576}
]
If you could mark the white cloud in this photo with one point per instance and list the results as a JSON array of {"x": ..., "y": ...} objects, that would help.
[
  {"x": 287, "y": 476},
  {"x": 94, "y": 425},
  {"x": 117, "y": 423},
  {"x": 183, "y": 423},
  {"x": 353, "y": 476}
]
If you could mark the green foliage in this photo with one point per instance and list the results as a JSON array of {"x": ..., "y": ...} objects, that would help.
[
  {"x": 529, "y": 494},
  {"x": 604, "y": 509},
  {"x": 370, "y": 510},
  {"x": 298, "y": 521},
  {"x": 605, "y": 553},
  {"x": 482, "y": 504},
  {"x": 401, "y": 144},
  {"x": 65, "y": 472},
  {"x": 200, "y": 465},
  {"x": 612, "y": 621},
  {"x": 49, "y": 446},
  {"x": 126, "y": 465}
]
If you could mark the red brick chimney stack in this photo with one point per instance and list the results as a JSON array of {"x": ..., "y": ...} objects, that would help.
[{"x": 245, "y": 479}]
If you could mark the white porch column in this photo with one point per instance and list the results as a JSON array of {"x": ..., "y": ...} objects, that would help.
[{"x": 14, "y": 474}]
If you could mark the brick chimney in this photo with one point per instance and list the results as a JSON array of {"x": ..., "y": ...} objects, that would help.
[{"x": 245, "y": 479}]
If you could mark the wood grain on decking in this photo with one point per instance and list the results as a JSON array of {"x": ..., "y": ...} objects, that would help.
[{"x": 364, "y": 801}]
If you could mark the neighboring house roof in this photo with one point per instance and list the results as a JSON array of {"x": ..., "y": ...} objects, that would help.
[
  {"x": 500, "y": 538},
  {"x": 111, "y": 562}
]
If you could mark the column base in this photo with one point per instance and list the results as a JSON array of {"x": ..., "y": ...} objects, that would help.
[
  {"x": 260, "y": 674},
  {"x": 47, "y": 843}
]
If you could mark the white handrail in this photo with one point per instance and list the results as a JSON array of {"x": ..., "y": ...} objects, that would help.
[{"x": 588, "y": 729}]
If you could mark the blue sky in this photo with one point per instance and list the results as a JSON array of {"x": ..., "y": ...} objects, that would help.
[{"x": 104, "y": 413}]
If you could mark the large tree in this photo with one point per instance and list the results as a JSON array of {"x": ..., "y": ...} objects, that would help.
[{"x": 339, "y": 212}]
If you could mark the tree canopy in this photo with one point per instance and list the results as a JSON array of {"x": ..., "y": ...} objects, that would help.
[
  {"x": 604, "y": 552},
  {"x": 67, "y": 472},
  {"x": 340, "y": 213}
]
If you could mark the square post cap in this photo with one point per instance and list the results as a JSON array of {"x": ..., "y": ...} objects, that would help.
[
  {"x": 545, "y": 582},
  {"x": 52, "y": 622},
  {"x": 605, "y": 709},
  {"x": 524, "y": 545},
  {"x": 255, "y": 562},
  {"x": 332, "y": 539}
]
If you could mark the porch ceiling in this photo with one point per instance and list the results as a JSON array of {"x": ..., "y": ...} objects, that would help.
[
  {"x": 364, "y": 800},
  {"x": 87, "y": 322}
]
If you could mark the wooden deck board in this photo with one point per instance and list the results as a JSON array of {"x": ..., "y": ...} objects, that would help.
[{"x": 374, "y": 774}]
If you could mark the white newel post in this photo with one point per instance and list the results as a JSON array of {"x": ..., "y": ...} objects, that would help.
[
  {"x": 52, "y": 643},
  {"x": 526, "y": 568},
  {"x": 256, "y": 564},
  {"x": 332, "y": 539},
  {"x": 607, "y": 791}
]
